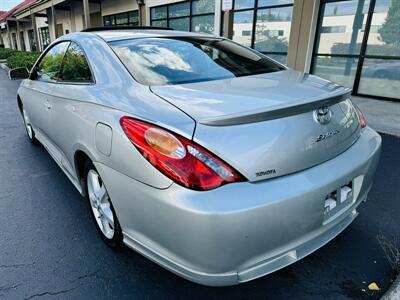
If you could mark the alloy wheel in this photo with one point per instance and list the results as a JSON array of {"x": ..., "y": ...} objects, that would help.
[{"x": 100, "y": 204}]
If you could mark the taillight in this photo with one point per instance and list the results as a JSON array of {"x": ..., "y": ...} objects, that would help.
[
  {"x": 180, "y": 159},
  {"x": 361, "y": 118}
]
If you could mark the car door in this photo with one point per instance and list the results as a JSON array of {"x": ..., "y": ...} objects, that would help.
[
  {"x": 40, "y": 86},
  {"x": 68, "y": 95}
]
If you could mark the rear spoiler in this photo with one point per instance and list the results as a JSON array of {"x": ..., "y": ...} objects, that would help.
[{"x": 275, "y": 112}]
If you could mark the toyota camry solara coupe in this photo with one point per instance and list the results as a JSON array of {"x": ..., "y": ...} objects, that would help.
[{"x": 205, "y": 156}]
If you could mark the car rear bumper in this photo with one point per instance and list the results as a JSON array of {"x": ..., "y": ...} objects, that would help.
[{"x": 241, "y": 231}]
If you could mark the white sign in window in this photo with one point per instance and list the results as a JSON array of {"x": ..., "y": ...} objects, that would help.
[{"x": 227, "y": 5}]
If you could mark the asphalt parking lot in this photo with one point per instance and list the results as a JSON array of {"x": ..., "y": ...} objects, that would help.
[{"x": 49, "y": 247}]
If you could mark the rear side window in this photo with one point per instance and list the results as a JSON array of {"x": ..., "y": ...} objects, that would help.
[
  {"x": 75, "y": 67},
  {"x": 49, "y": 66},
  {"x": 173, "y": 60}
]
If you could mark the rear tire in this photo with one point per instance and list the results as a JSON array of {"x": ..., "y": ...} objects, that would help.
[
  {"x": 28, "y": 127},
  {"x": 101, "y": 208}
]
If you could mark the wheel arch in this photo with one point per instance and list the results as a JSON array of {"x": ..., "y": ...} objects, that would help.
[
  {"x": 19, "y": 102},
  {"x": 80, "y": 157}
]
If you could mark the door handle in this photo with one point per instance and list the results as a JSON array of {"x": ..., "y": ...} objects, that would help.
[{"x": 47, "y": 104}]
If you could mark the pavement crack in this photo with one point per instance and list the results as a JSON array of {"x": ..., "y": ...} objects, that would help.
[
  {"x": 51, "y": 293},
  {"x": 8, "y": 288},
  {"x": 92, "y": 274},
  {"x": 16, "y": 266},
  {"x": 96, "y": 274}
]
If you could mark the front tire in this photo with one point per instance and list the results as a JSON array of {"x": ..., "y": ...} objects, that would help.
[{"x": 101, "y": 208}]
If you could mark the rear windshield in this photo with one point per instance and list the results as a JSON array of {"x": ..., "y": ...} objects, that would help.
[{"x": 162, "y": 61}]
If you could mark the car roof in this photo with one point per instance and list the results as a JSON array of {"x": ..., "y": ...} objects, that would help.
[{"x": 124, "y": 34}]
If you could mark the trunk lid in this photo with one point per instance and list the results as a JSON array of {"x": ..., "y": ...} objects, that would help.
[{"x": 267, "y": 125}]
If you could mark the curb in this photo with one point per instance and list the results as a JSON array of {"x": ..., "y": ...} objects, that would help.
[
  {"x": 4, "y": 66},
  {"x": 394, "y": 291}
]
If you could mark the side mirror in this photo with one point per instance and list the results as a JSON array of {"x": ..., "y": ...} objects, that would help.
[{"x": 18, "y": 73}]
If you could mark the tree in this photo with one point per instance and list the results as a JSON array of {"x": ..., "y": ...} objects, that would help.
[{"x": 390, "y": 30}]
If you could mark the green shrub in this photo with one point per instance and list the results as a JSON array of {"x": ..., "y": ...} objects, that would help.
[
  {"x": 6, "y": 53},
  {"x": 22, "y": 59}
]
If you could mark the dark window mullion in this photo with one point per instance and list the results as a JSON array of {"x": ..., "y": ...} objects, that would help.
[
  {"x": 274, "y": 52},
  {"x": 243, "y": 9},
  {"x": 167, "y": 16},
  {"x": 176, "y": 18},
  {"x": 275, "y": 6},
  {"x": 363, "y": 46},
  {"x": 253, "y": 34},
  {"x": 190, "y": 16},
  {"x": 202, "y": 15},
  {"x": 321, "y": 10},
  {"x": 385, "y": 57}
]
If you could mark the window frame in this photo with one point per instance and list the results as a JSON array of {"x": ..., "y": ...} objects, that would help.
[
  {"x": 34, "y": 68},
  {"x": 51, "y": 46},
  {"x": 31, "y": 40},
  {"x": 44, "y": 33},
  {"x": 190, "y": 15},
  {"x": 255, "y": 10},
  {"x": 93, "y": 81}
]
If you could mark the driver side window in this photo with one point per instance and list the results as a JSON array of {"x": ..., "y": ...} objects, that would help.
[{"x": 49, "y": 66}]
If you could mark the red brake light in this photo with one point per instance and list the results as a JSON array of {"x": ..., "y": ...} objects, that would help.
[{"x": 180, "y": 159}]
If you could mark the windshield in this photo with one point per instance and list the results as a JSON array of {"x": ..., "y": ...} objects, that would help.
[{"x": 161, "y": 61}]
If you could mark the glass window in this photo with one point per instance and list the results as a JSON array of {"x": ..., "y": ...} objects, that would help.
[
  {"x": 343, "y": 22},
  {"x": 107, "y": 20},
  {"x": 194, "y": 15},
  {"x": 160, "y": 61},
  {"x": 203, "y": 7},
  {"x": 243, "y": 22},
  {"x": 121, "y": 19},
  {"x": 75, "y": 67},
  {"x": 341, "y": 47},
  {"x": 159, "y": 12},
  {"x": 125, "y": 18},
  {"x": 180, "y": 9},
  {"x": 14, "y": 40},
  {"x": 333, "y": 29},
  {"x": 241, "y": 4},
  {"x": 203, "y": 24},
  {"x": 44, "y": 36},
  {"x": 337, "y": 69},
  {"x": 182, "y": 24},
  {"x": 385, "y": 39},
  {"x": 273, "y": 29},
  {"x": 32, "y": 42},
  {"x": 22, "y": 41},
  {"x": 380, "y": 77},
  {"x": 281, "y": 58},
  {"x": 133, "y": 17},
  {"x": 262, "y": 3},
  {"x": 160, "y": 23},
  {"x": 49, "y": 66}
]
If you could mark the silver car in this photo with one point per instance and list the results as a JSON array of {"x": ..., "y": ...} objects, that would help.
[{"x": 205, "y": 156}]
